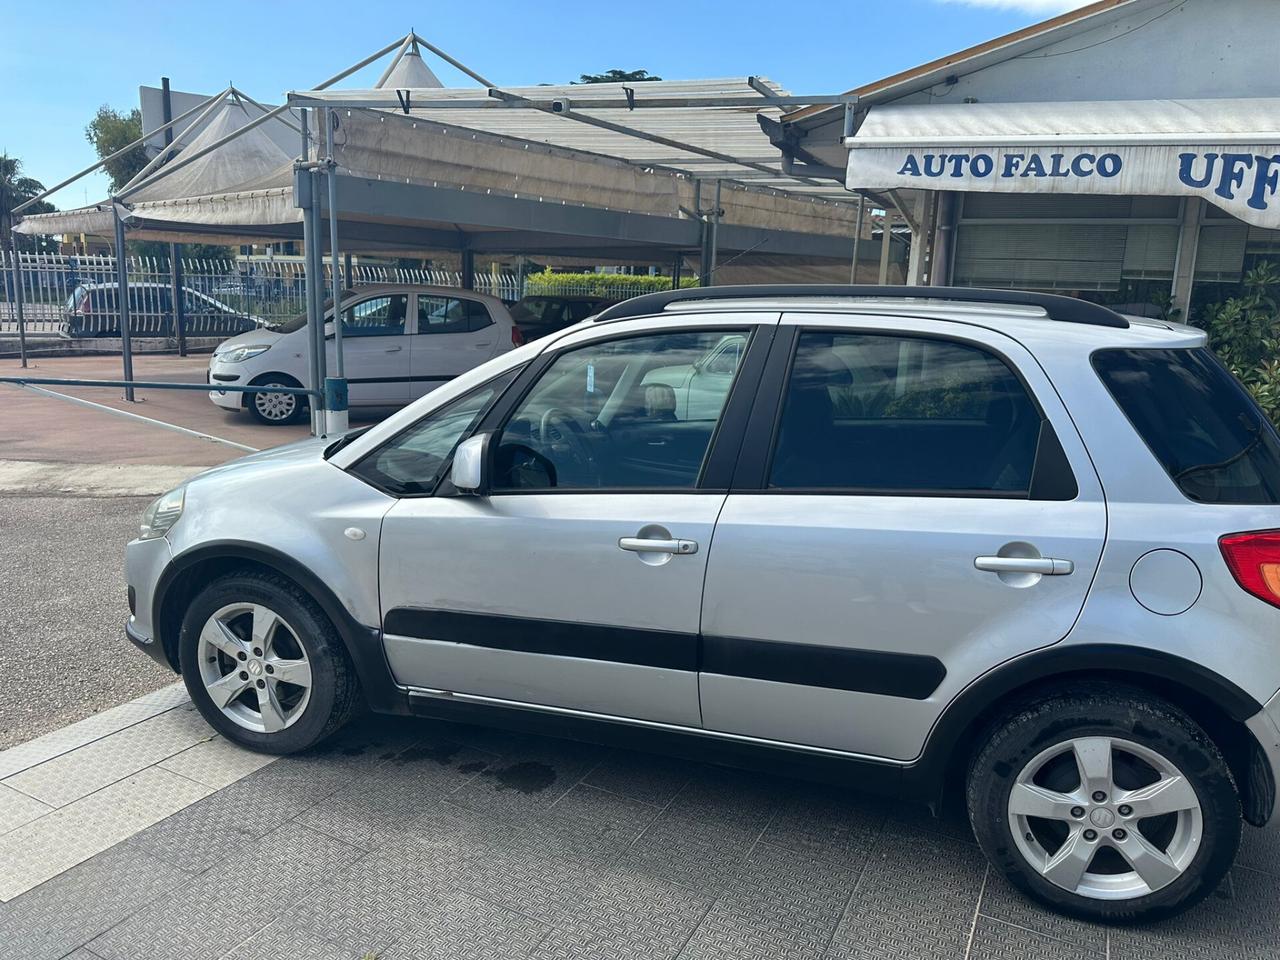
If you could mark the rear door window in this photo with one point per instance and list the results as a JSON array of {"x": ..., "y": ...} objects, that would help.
[
  {"x": 1207, "y": 432},
  {"x": 902, "y": 415}
]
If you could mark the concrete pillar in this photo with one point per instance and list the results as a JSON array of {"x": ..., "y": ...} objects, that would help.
[{"x": 1184, "y": 264}]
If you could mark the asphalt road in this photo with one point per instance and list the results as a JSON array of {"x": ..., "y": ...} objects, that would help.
[{"x": 63, "y": 655}]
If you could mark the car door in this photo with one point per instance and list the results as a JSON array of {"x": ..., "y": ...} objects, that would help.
[
  {"x": 452, "y": 335},
  {"x": 576, "y": 582},
  {"x": 375, "y": 350},
  {"x": 879, "y": 548}
]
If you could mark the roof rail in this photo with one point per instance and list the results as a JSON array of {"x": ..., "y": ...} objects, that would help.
[{"x": 1063, "y": 309}]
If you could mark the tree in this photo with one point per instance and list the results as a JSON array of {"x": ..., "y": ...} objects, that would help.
[
  {"x": 109, "y": 131},
  {"x": 617, "y": 76},
  {"x": 16, "y": 189}
]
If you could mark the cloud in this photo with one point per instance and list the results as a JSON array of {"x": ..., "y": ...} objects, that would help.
[{"x": 1046, "y": 8}]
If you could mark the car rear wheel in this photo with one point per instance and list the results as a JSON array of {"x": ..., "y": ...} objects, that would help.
[
  {"x": 275, "y": 408},
  {"x": 264, "y": 665},
  {"x": 1106, "y": 803}
]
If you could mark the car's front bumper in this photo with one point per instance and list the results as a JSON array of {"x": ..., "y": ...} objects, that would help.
[
  {"x": 145, "y": 561},
  {"x": 228, "y": 373}
]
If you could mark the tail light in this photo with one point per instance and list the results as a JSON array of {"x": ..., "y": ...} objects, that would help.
[
  {"x": 517, "y": 338},
  {"x": 1254, "y": 560}
]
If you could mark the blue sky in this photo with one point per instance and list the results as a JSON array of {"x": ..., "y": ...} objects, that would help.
[{"x": 59, "y": 62}]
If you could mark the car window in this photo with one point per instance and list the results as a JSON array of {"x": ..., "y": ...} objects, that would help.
[
  {"x": 1207, "y": 432},
  {"x": 477, "y": 315},
  {"x": 724, "y": 360},
  {"x": 378, "y": 317},
  {"x": 615, "y": 414},
  {"x": 580, "y": 309},
  {"x": 442, "y": 314},
  {"x": 899, "y": 415},
  {"x": 412, "y": 462}
]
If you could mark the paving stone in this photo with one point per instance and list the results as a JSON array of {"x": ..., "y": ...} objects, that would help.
[
  {"x": 58, "y": 742},
  {"x": 17, "y": 808},
  {"x": 596, "y": 818},
  {"x": 252, "y": 888},
  {"x": 742, "y": 799},
  {"x": 1218, "y": 927},
  {"x": 281, "y": 940},
  {"x": 464, "y": 926},
  {"x": 728, "y": 933},
  {"x": 216, "y": 763},
  {"x": 828, "y": 823},
  {"x": 59, "y": 915},
  {"x": 528, "y": 781},
  {"x": 1260, "y": 849},
  {"x": 993, "y": 940},
  {"x": 642, "y": 776},
  {"x": 1001, "y": 901},
  {"x": 80, "y": 772},
  {"x": 44, "y": 848},
  {"x": 697, "y": 854}
]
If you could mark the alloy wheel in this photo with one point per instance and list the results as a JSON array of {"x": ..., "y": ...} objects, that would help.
[
  {"x": 254, "y": 667},
  {"x": 1105, "y": 818},
  {"x": 275, "y": 406}
]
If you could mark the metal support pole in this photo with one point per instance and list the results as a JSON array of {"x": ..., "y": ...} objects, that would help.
[
  {"x": 676, "y": 264},
  {"x": 944, "y": 240},
  {"x": 886, "y": 245},
  {"x": 336, "y": 387},
  {"x": 315, "y": 283},
  {"x": 17, "y": 301},
  {"x": 122, "y": 288},
  {"x": 715, "y": 235},
  {"x": 304, "y": 188},
  {"x": 857, "y": 239},
  {"x": 179, "y": 300},
  {"x": 468, "y": 269}
]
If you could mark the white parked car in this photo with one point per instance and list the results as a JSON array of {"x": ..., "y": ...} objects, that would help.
[{"x": 400, "y": 342}]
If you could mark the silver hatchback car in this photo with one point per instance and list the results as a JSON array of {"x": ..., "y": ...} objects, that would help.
[{"x": 1011, "y": 544}]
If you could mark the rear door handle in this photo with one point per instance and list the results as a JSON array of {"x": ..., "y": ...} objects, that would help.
[
  {"x": 394, "y": 349},
  {"x": 645, "y": 545},
  {"x": 1046, "y": 566}
]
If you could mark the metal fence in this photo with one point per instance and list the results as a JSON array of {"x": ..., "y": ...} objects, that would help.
[{"x": 267, "y": 290}]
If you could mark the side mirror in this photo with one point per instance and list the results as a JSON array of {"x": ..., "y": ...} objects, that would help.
[{"x": 468, "y": 473}]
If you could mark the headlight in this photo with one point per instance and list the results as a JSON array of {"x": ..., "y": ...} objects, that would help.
[
  {"x": 163, "y": 513},
  {"x": 240, "y": 354}
]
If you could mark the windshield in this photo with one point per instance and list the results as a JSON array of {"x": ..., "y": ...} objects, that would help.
[
  {"x": 300, "y": 321},
  {"x": 1207, "y": 432}
]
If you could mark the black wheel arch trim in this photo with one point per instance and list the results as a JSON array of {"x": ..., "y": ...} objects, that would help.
[
  {"x": 363, "y": 643},
  {"x": 926, "y": 776}
]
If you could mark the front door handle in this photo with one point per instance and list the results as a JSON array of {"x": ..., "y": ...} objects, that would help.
[
  {"x": 1045, "y": 566},
  {"x": 394, "y": 349},
  {"x": 646, "y": 545}
]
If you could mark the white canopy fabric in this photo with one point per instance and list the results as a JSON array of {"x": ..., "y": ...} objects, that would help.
[
  {"x": 410, "y": 71},
  {"x": 1227, "y": 151}
]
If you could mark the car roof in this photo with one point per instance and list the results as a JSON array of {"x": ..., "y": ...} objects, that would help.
[{"x": 366, "y": 289}]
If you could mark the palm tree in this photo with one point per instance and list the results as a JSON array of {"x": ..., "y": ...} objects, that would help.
[{"x": 15, "y": 189}]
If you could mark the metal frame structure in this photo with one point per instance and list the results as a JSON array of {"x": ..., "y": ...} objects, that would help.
[{"x": 508, "y": 223}]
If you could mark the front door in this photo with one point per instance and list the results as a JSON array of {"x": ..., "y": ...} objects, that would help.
[
  {"x": 577, "y": 582},
  {"x": 925, "y": 512},
  {"x": 375, "y": 350}
]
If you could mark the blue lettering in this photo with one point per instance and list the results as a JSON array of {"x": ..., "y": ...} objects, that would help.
[
  {"x": 1109, "y": 165},
  {"x": 1078, "y": 164},
  {"x": 1056, "y": 169},
  {"x": 1011, "y": 163},
  {"x": 911, "y": 168},
  {"x": 981, "y": 165},
  {"x": 1186, "y": 169},
  {"x": 929, "y": 170},
  {"x": 1265, "y": 182},
  {"x": 1035, "y": 166},
  {"x": 1233, "y": 167},
  {"x": 957, "y": 164}
]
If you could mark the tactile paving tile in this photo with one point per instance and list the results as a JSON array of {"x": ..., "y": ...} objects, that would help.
[
  {"x": 1000, "y": 901},
  {"x": 993, "y": 940},
  {"x": 33, "y": 752},
  {"x": 17, "y": 809},
  {"x": 216, "y": 763},
  {"x": 80, "y": 772},
  {"x": 46, "y": 847}
]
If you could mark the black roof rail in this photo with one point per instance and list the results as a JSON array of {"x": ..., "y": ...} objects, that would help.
[{"x": 1063, "y": 309}]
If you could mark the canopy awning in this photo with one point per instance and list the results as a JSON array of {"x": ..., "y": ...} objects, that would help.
[{"x": 1227, "y": 151}]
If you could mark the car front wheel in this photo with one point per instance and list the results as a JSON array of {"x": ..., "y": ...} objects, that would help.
[
  {"x": 1106, "y": 803},
  {"x": 264, "y": 665},
  {"x": 275, "y": 408}
]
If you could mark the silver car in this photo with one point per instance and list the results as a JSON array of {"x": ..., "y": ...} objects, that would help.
[{"x": 1009, "y": 545}]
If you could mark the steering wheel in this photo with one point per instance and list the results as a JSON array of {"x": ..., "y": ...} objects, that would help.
[{"x": 556, "y": 422}]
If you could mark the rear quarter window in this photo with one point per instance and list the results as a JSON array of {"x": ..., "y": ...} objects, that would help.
[{"x": 1210, "y": 436}]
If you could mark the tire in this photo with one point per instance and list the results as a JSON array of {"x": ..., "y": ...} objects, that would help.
[
  {"x": 275, "y": 409},
  {"x": 320, "y": 693},
  {"x": 1040, "y": 749}
]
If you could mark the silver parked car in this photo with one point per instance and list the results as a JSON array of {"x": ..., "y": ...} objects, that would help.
[{"x": 1009, "y": 544}]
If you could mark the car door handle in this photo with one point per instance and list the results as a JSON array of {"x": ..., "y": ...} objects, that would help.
[
  {"x": 394, "y": 349},
  {"x": 1046, "y": 566},
  {"x": 646, "y": 545}
]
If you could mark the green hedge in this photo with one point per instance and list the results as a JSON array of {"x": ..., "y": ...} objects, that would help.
[{"x": 599, "y": 284}]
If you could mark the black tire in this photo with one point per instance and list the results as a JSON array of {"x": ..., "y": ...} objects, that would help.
[
  {"x": 297, "y": 403},
  {"x": 1098, "y": 709},
  {"x": 335, "y": 691}
]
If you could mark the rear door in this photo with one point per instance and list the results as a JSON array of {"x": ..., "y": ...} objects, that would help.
[
  {"x": 452, "y": 335},
  {"x": 900, "y": 487},
  {"x": 375, "y": 349}
]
